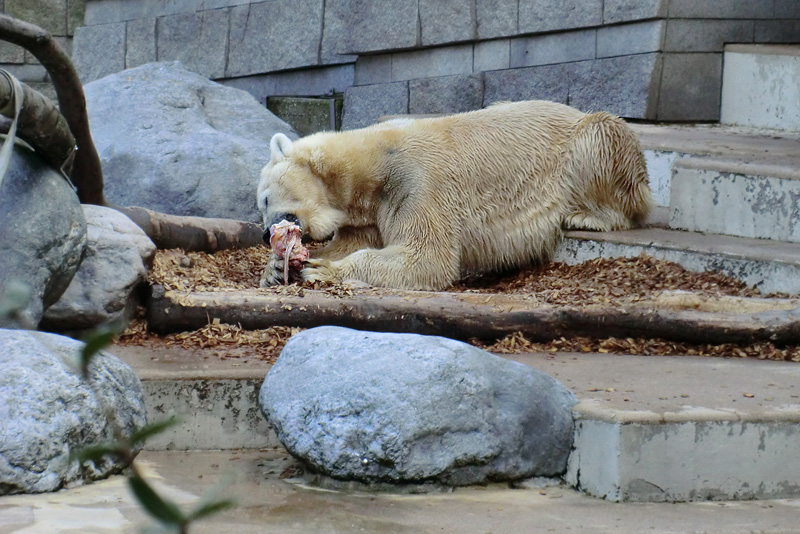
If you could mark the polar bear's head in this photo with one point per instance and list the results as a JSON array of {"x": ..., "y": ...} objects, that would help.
[{"x": 293, "y": 188}]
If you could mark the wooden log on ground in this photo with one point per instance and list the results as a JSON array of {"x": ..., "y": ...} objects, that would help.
[
  {"x": 471, "y": 315},
  {"x": 193, "y": 233}
]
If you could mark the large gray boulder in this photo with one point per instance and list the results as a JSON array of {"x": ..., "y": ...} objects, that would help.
[
  {"x": 42, "y": 235},
  {"x": 104, "y": 290},
  {"x": 173, "y": 141},
  {"x": 405, "y": 408},
  {"x": 47, "y": 411}
]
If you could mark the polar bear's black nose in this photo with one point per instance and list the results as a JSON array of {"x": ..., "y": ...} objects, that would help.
[{"x": 292, "y": 218}]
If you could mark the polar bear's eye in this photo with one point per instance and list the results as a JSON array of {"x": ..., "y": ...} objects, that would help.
[{"x": 262, "y": 200}]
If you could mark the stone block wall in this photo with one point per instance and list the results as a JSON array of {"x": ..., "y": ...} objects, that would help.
[
  {"x": 59, "y": 18},
  {"x": 642, "y": 59}
]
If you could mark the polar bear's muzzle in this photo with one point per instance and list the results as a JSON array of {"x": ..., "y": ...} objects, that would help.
[{"x": 275, "y": 220}]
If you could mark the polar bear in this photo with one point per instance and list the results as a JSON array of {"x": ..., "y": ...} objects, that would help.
[{"x": 419, "y": 203}]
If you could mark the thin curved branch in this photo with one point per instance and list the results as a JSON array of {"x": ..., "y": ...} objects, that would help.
[{"x": 87, "y": 173}]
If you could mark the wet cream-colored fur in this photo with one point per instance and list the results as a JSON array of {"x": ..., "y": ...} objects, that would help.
[{"x": 417, "y": 204}]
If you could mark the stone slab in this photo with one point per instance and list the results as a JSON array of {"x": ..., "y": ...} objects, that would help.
[
  {"x": 449, "y": 94},
  {"x": 373, "y": 69},
  {"x": 721, "y": 9},
  {"x": 759, "y": 86},
  {"x": 50, "y": 15},
  {"x": 547, "y": 82},
  {"x": 552, "y": 48},
  {"x": 140, "y": 39},
  {"x": 446, "y": 21},
  {"x": 777, "y": 31},
  {"x": 358, "y": 26},
  {"x": 615, "y": 11},
  {"x": 690, "y": 87},
  {"x": 99, "y": 50},
  {"x": 192, "y": 39},
  {"x": 551, "y": 15},
  {"x": 496, "y": 18},
  {"x": 305, "y": 82},
  {"x": 432, "y": 62},
  {"x": 626, "y": 39},
  {"x": 270, "y": 36},
  {"x": 364, "y": 105},
  {"x": 703, "y": 35},
  {"x": 491, "y": 55}
]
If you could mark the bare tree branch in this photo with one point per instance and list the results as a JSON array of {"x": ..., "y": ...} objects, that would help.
[{"x": 87, "y": 173}]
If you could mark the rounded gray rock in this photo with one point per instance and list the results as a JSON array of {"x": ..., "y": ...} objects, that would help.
[
  {"x": 173, "y": 141},
  {"x": 48, "y": 412},
  {"x": 42, "y": 234},
  {"x": 103, "y": 291},
  {"x": 405, "y": 408}
]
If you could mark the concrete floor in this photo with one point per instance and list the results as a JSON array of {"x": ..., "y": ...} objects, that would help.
[{"x": 267, "y": 503}]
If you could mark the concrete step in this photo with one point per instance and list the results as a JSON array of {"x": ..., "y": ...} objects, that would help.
[
  {"x": 760, "y": 86},
  {"x": 648, "y": 428},
  {"x": 757, "y": 199},
  {"x": 772, "y": 267},
  {"x": 775, "y": 151}
]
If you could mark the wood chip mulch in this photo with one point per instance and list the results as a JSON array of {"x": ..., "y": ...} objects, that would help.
[{"x": 599, "y": 281}]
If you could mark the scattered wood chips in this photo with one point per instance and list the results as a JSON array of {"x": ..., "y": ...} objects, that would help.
[{"x": 599, "y": 281}]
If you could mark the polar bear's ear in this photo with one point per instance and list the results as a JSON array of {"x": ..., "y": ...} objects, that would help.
[{"x": 279, "y": 147}]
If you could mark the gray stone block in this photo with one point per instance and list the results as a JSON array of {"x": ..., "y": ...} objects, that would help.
[
  {"x": 496, "y": 18},
  {"x": 195, "y": 40},
  {"x": 99, "y": 50},
  {"x": 308, "y": 82},
  {"x": 549, "y": 82},
  {"x": 355, "y": 26},
  {"x": 787, "y": 9},
  {"x": 690, "y": 87},
  {"x": 615, "y": 11},
  {"x": 449, "y": 94},
  {"x": 141, "y": 42},
  {"x": 626, "y": 86},
  {"x": 491, "y": 55},
  {"x": 446, "y": 21},
  {"x": 777, "y": 31},
  {"x": 553, "y": 48},
  {"x": 373, "y": 69},
  {"x": 432, "y": 62},
  {"x": 547, "y": 15},
  {"x": 364, "y": 105},
  {"x": 51, "y": 15},
  {"x": 721, "y": 9},
  {"x": 108, "y": 11},
  {"x": 10, "y": 53},
  {"x": 701, "y": 35},
  {"x": 627, "y": 39},
  {"x": 273, "y": 36},
  {"x": 76, "y": 10}
]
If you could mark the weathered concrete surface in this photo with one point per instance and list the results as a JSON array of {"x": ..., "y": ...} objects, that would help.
[
  {"x": 770, "y": 266},
  {"x": 759, "y": 86},
  {"x": 269, "y": 503},
  {"x": 685, "y": 424},
  {"x": 756, "y": 200},
  {"x": 663, "y": 144}
]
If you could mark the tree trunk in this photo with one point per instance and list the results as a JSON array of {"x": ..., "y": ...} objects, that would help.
[
  {"x": 40, "y": 125},
  {"x": 87, "y": 174},
  {"x": 472, "y": 315}
]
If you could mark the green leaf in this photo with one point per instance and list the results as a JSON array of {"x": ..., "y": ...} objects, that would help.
[
  {"x": 96, "y": 342},
  {"x": 163, "y": 510},
  {"x": 141, "y": 435},
  {"x": 96, "y": 452},
  {"x": 211, "y": 508}
]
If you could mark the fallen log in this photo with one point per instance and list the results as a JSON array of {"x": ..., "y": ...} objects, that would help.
[
  {"x": 193, "y": 233},
  {"x": 478, "y": 315}
]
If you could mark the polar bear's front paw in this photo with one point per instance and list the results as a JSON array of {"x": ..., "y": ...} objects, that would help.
[
  {"x": 321, "y": 270},
  {"x": 273, "y": 272}
]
